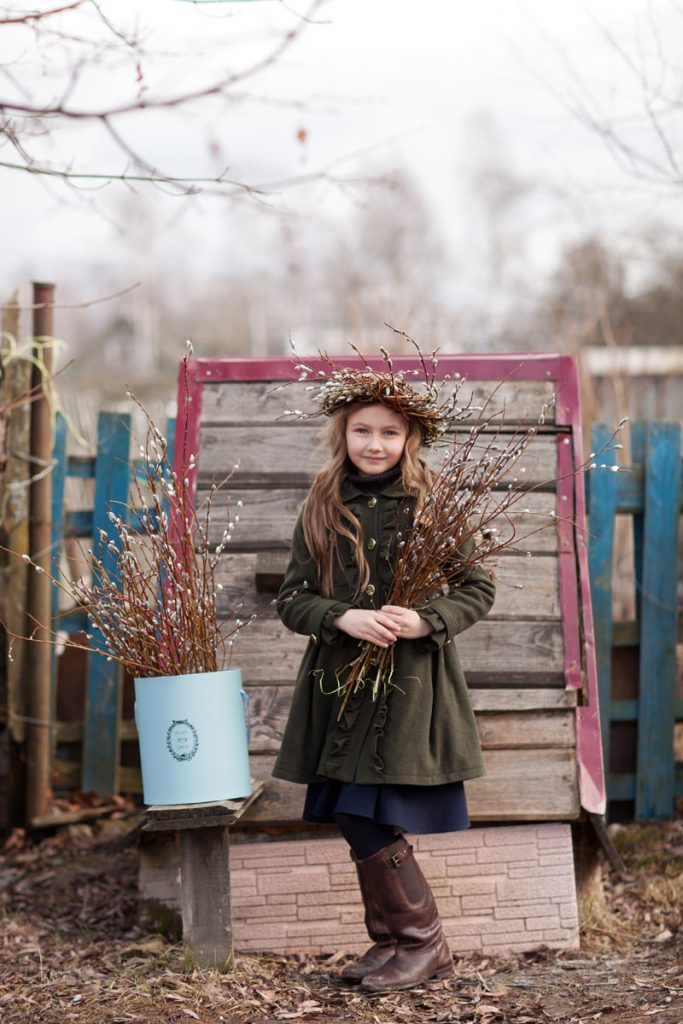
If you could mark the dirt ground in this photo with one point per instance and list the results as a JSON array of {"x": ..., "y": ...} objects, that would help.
[{"x": 71, "y": 950}]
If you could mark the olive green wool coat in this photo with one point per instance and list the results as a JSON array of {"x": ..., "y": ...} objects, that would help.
[{"x": 425, "y": 735}]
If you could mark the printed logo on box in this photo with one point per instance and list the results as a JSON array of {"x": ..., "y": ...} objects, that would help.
[{"x": 182, "y": 740}]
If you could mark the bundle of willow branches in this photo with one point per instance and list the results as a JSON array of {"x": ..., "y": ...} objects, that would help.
[
  {"x": 453, "y": 532},
  {"x": 152, "y": 599}
]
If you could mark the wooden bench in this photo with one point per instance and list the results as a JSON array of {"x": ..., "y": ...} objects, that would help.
[
  {"x": 530, "y": 666},
  {"x": 204, "y": 841}
]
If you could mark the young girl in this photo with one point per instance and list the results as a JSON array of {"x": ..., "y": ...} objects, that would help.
[{"x": 397, "y": 763}]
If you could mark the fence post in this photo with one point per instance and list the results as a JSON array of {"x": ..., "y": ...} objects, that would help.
[
  {"x": 14, "y": 531},
  {"x": 602, "y": 504},
  {"x": 103, "y": 694},
  {"x": 60, "y": 458},
  {"x": 38, "y": 740},
  {"x": 658, "y": 622}
]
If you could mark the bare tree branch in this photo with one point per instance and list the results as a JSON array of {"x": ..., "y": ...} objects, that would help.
[
  {"x": 660, "y": 101},
  {"x": 182, "y": 99},
  {"x": 24, "y": 114},
  {"x": 50, "y": 172},
  {"x": 40, "y": 15}
]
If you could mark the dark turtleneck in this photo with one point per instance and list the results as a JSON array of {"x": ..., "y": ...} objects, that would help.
[{"x": 373, "y": 484}]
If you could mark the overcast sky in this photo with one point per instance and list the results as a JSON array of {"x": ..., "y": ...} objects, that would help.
[{"x": 433, "y": 85}]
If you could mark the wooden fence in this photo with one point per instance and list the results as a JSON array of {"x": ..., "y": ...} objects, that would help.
[
  {"x": 650, "y": 493},
  {"x": 103, "y": 728}
]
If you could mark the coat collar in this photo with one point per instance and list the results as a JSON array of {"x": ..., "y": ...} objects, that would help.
[{"x": 392, "y": 490}]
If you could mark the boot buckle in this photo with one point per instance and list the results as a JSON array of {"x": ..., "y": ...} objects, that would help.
[{"x": 397, "y": 858}]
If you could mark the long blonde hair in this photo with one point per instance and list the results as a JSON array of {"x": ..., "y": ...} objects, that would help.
[{"x": 326, "y": 517}]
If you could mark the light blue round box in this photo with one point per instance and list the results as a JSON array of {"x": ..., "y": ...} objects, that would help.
[{"x": 193, "y": 737}]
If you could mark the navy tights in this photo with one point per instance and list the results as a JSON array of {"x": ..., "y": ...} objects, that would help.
[{"x": 363, "y": 835}]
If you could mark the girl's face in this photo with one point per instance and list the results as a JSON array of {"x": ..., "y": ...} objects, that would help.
[{"x": 375, "y": 438}]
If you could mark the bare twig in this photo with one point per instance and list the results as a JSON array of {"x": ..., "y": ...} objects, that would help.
[
  {"x": 40, "y": 15},
  {"x": 81, "y": 305}
]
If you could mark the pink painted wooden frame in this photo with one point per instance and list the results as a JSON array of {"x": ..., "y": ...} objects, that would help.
[{"x": 575, "y": 599}]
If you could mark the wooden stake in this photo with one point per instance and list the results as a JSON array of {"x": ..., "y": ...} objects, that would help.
[
  {"x": 39, "y": 588},
  {"x": 14, "y": 525}
]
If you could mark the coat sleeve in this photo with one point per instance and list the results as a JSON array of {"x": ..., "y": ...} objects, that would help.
[
  {"x": 299, "y": 603},
  {"x": 456, "y": 611}
]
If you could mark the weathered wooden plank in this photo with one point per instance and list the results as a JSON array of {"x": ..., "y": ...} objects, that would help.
[
  {"x": 59, "y": 818},
  {"x": 517, "y": 730},
  {"x": 524, "y": 699},
  {"x": 67, "y": 775},
  {"x": 622, "y": 785},
  {"x": 523, "y": 785},
  {"x": 638, "y": 460},
  {"x": 205, "y": 897},
  {"x": 207, "y": 815},
  {"x": 266, "y": 652},
  {"x": 288, "y": 454},
  {"x": 14, "y": 530},
  {"x": 527, "y": 587},
  {"x": 204, "y": 815},
  {"x": 258, "y": 402},
  {"x": 269, "y": 710},
  {"x": 502, "y": 728},
  {"x": 503, "y": 653},
  {"x": 280, "y": 803},
  {"x": 60, "y": 456},
  {"x": 267, "y": 519},
  {"x": 526, "y": 785},
  {"x": 72, "y": 732},
  {"x": 103, "y": 695},
  {"x": 269, "y": 702},
  {"x": 657, "y": 660},
  {"x": 601, "y": 517},
  {"x": 265, "y": 702}
]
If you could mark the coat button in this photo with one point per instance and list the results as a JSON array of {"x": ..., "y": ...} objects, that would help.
[
  {"x": 372, "y": 502},
  {"x": 371, "y": 543},
  {"x": 370, "y": 590},
  {"x": 314, "y": 638}
]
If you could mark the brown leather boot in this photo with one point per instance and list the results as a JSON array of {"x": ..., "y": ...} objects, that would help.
[
  {"x": 383, "y": 948},
  {"x": 410, "y": 914}
]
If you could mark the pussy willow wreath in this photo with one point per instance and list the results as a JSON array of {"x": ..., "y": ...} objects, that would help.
[{"x": 336, "y": 385}]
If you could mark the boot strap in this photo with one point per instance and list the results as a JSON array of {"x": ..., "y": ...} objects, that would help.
[{"x": 396, "y": 859}]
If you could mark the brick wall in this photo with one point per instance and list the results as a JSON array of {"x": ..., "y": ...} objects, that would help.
[{"x": 504, "y": 888}]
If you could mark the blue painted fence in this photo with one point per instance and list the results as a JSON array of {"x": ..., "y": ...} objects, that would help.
[
  {"x": 651, "y": 493},
  {"x": 111, "y": 470}
]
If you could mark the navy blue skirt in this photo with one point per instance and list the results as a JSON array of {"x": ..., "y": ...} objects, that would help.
[{"x": 416, "y": 809}]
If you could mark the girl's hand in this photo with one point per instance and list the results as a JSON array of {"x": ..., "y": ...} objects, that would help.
[
  {"x": 411, "y": 625},
  {"x": 378, "y": 627}
]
